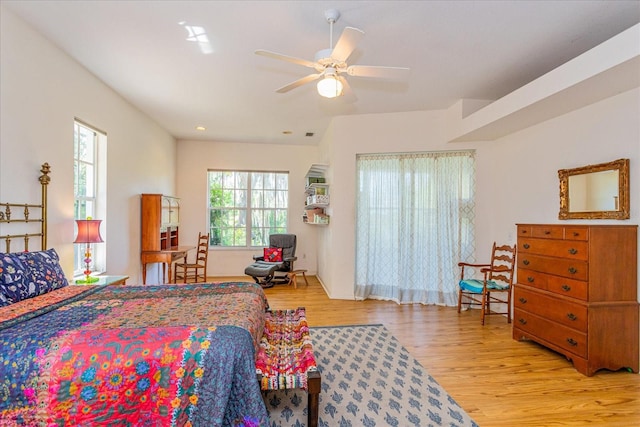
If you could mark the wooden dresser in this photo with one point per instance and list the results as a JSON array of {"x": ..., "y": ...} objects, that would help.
[{"x": 576, "y": 293}]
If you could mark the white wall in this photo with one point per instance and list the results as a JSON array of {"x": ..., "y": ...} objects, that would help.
[
  {"x": 601, "y": 132},
  {"x": 43, "y": 90},
  {"x": 194, "y": 158},
  {"x": 517, "y": 179}
]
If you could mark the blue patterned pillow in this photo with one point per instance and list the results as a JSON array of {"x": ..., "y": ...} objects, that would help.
[
  {"x": 14, "y": 279},
  {"x": 28, "y": 274}
]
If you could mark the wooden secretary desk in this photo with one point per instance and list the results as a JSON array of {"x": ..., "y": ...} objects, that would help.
[{"x": 160, "y": 233}]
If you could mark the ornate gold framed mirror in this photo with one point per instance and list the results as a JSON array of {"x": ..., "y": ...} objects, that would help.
[{"x": 595, "y": 192}]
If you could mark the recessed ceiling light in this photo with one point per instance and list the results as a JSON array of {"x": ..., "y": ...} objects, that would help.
[
  {"x": 201, "y": 128},
  {"x": 287, "y": 132}
]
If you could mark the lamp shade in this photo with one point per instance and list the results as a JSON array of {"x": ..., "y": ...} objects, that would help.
[
  {"x": 330, "y": 86},
  {"x": 88, "y": 231}
]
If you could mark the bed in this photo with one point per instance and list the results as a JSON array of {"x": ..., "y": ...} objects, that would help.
[{"x": 83, "y": 355}]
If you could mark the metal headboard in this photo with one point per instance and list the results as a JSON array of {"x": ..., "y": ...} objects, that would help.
[{"x": 25, "y": 212}]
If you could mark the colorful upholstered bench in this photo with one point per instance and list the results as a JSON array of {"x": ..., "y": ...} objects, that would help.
[{"x": 285, "y": 358}]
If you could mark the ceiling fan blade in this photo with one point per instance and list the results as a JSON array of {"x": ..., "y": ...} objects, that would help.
[
  {"x": 287, "y": 58},
  {"x": 347, "y": 94},
  {"x": 380, "y": 72},
  {"x": 299, "y": 82},
  {"x": 346, "y": 43}
]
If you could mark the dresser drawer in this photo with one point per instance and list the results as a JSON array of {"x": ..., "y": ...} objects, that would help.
[
  {"x": 576, "y": 233},
  {"x": 562, "y": 249},
  {"x": 573, "y": 269},
  {"x": 524, "y": 230},
  {"x": 547, "y": 231},
  {"x": 559, "y": 285},
  {"x": 554, "y": 333},
  {"x": 558, "y": 310},
  {"x": 534, "y": 279},
  {"x": 568, "y": 287}
]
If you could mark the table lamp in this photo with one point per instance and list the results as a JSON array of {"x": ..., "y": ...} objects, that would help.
[{"x": 88, "y": 232}]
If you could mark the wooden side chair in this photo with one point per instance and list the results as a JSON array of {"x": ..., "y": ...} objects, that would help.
[
  {"x": 496, "y": 285},
  {"x": 196, "y": 271}
]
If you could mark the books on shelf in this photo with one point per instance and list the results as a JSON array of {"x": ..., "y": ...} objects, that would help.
[{"x": 318, "y": 199}]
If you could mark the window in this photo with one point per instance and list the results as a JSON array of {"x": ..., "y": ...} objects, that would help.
[
  {"x": 245, "y": 207},
  {"x": 414, "y": 223},
  {"x": 89, "y": 199},
  {"x": 85, "y": 153}
]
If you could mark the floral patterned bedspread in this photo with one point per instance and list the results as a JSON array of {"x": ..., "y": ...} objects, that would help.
[{"x": 165, "y": 355}]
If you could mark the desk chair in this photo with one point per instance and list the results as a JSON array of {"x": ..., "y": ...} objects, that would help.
[{"x": 196, "y": 271}]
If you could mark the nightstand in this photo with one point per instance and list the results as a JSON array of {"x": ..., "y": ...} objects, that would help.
[{"x": 105, "y": 280}]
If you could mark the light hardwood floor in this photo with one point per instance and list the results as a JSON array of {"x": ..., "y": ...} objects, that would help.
[{"x": 498, "y": 381}]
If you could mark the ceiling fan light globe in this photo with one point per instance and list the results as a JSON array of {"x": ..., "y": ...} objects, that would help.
[{"x": 330, "y": 87}]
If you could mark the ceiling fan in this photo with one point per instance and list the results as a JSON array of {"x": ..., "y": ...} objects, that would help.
[{"x": 330, "y": 64}]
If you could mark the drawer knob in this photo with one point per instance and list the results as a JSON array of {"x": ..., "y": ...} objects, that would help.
[
  {"x": 547, "y": 232},
  {"x": 576, "y": 234},
  {"x": 530, "y": 279},
  {"x": 573, "y": 251},
  {"x": 525, "y": 261},
  {"x": 573, "y": 270},
  {"x": 522, "y": 300},
  {"x": 572, "y": 342},
  {"x": 522, "y": 321},
  {"x": 526, "y": 246},
  {"x": 566, "y": 288},
  {"x": 572, "y": 316}
]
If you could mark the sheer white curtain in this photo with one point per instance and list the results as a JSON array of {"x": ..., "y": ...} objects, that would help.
[{"x": 414, "y": 223}]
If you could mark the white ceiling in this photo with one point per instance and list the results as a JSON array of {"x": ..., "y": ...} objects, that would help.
[{"x": 455, "y": 49}]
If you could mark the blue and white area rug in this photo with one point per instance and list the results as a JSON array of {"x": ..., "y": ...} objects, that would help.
[{"x": 369, "y": 380}]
